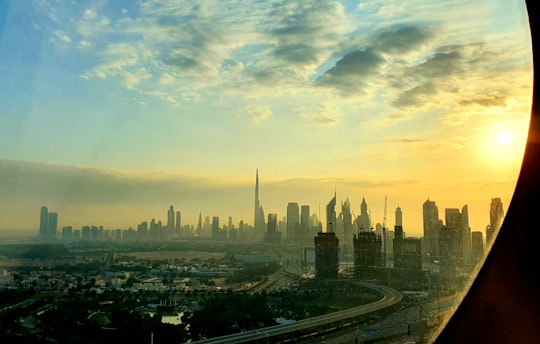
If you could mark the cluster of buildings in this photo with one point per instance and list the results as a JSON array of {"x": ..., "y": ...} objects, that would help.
[{"x": 450, "y": 243}]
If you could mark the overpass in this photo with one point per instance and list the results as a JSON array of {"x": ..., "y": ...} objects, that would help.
[{"x": 391, "y": 297}]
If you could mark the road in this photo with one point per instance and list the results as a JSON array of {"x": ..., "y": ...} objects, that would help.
[{"x": 390, "y": 298}]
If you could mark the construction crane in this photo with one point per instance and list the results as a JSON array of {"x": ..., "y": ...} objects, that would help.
[{"x": 384, "y": 232}]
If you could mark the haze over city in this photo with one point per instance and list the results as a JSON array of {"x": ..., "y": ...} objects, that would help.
[{"x": 110, "y": 118}]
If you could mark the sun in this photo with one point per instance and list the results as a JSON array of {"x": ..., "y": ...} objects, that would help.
[{"x": 505, "y": 138}]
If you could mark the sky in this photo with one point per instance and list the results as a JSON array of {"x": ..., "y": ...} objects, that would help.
[{"x": 111, "y": 111}]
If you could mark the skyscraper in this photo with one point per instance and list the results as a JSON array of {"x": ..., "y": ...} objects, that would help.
[
  {"x": 258, "y": 220},
  {"x": 43, "y": 223},
  {"x": 52, "y": 226},
  {"x": 347, "y": 223},
  {"x": 466, "y": 234},
  {"x": 170, "y": 219},
  {"x": 496, "y": 216},
  {"x": 216, "y": 230},
  {"x": 477, "y": 247},
  {"x": 304, "y": 223},
  {"x": 199, "y": 226},
  {"x": 364, "y": 221},
  {"x": 331, "y": 215},
  {"x": 272, "y": 236},
  {"x": 178, "y": 221},
  {"x": 432, "y": 225},
  {"x": 399, "y": 217},
  {"x": 326, "y": 255},
  {"x": 293, "y": 221}
]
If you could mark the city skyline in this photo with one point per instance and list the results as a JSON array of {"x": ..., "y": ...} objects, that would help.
[{"x": 112, "y": 111}]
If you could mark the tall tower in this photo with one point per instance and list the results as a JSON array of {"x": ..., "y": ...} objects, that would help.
[
  {"x": 304, "y": 222},
  {"x": 293, "y": 221},
  {"x": 432, "y": 225},
  {"x": 200, "y": 226},
  {"x": 43, "y": 223},
  {"x": 258, "y": 220},
  {"x": 496, "y": 215},
  {"x": 363, "y": 221},
  {"x": 178, "y": 221},
  {"x": 52, "y": 226},
  {"x": 170, "y": 219},
  {"x": 347, "y": 223},
  {"x": 399, "y": 217},
  {"x": 326, "y": 255},
  {"x": 256, "y": 214},
  {"x": 466, "y": 234},
  {"x": 331, "y": 215}
]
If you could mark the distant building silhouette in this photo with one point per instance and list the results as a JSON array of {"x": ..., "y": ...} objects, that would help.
[
  {"x": 52, "y": 226},
  {"x": 293, "y": 221},
  {"x": 477, "y": 247},
  {"x": 305, "y": 235},
  {"x": 496, "y": 216},
  {"x": 67, "y": 233},
  {"x": 170, "y": 219},
  {"x": 364, "y": 220},
  {"x": 178, "y": 222},
  {"x": 258, "y": 221},
  {"x": 272, "y": 236},
  {"x": 399, "y": 236},
  {"x": 346, "y": 219},
  {"x": 367, "y": 251},
  {"x": 326, "y": 255},
  {"x": 432, "y": 226},
  {"x": 44, "y": 223},
  {"x": 331, "y": 215},
  {"x": 411, "y": 254},
  {"x": 216, "y": 230}
]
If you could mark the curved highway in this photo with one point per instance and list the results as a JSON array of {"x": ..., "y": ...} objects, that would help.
[{"x": 390, "y": 298}]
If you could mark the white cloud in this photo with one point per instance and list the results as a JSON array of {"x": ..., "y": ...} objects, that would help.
[
  {"x": 62, "y": 37},
  {"x": 89, "y": 14},
  {"x": 166, "y": 79},
  {"x": 257, "y": 113}
]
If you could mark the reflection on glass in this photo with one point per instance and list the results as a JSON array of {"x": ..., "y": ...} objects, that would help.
[{"x": 282, "y": 160}]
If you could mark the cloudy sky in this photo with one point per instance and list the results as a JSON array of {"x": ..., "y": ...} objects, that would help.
[{"x": 110, "y": 111}]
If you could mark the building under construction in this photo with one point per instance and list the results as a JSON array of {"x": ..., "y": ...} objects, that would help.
[{"x": 326, "y": 255}]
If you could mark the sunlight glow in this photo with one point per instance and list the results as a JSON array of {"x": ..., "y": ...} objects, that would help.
[{"x": 505, "y": 138}]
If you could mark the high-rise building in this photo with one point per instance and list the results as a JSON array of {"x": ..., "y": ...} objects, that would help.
[
  {"x": 304, "y": 223},
  {"x": 459, "y": 222},
  {"x": 178, "y": 221},
  {"x": 293, "y": 221},
  {"x": 44, "y": 223},
  {"x": 399, "y": 217},
  {"x": 367, "y": 251},
  {"x": 170, "y": 219},
  {"x": 399, "y": 236},
  {"x": 258, "y": 222},
  {"x": 466, "y": 234},
  {"x": 272, "y": 236},
  {"x": 496, "y": 216},
  {"x": 363, "y": 221},
  {"x": 216, "y": 230},
  {"x": 67, "y": 233},
  {"x": 199, "y": 231},
  {"x": 331, "y": 215},
  {"x": 52, "y": 226},
  {"x": 432, "y": 226},
  {"x": 450, "y": 252},
  {"x": 477, "y": 247},
  {"x": 326, "y": 255},
  {"x": 347, "y": 223}
]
